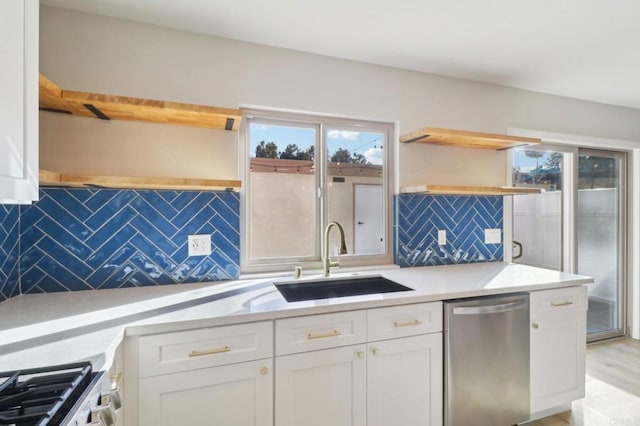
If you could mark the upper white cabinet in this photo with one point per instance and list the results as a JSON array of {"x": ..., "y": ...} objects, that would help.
[
  {"x": 558, "y": 344},
  {"x": 19, "y": 101}
]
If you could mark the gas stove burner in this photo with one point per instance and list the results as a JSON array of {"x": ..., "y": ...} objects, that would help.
[{"x": 41, "y": 396}]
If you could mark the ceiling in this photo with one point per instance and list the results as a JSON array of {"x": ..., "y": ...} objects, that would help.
[{"x": 585, "y": 49}]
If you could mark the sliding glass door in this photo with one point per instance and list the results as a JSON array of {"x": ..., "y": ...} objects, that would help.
[
  {"x": 601, "y": 233},
  {"x": 578, "y": 224}
]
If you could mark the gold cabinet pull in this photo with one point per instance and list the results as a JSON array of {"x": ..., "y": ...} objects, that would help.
[
  {"x": 210, "y": 351},
  {"x": 332, "y": 333},
  {"x": 376, "y": 351},
  {"x": 535, "y": 325},
  {"x": 264, "y": 371},
  {"x": 565, "y": 303},
  {"x": 406, "y": 324},
  {"x": 360, "y": 354},
  {"x": 115, "y": 378}
]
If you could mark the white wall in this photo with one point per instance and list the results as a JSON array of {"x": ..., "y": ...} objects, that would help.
[
  {"x": 126, "y": 148},
  {"x": 91, "y": 53}
]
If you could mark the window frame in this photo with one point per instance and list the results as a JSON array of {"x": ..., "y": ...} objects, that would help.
[{"x": 323, "y": 123}]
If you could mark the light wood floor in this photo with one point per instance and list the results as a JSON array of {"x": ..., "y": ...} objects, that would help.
[{"x": 612, "y": 388}]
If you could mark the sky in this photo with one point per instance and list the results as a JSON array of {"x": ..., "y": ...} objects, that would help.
[
  {"x": 527, "y": 163},
  {"x": 368, "y": 144}
]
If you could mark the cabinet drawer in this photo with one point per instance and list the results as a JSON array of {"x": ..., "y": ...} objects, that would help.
[
  {"x": 194, "y": 349},
  {"x": 320, "y": 331},
  {"x": 405, "y": 320},
  {"x": 569, "y": 299}
]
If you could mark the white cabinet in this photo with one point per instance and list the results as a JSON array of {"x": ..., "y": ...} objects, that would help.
[
  {"x": 208, "y": 347},
  {"x": 558, "y": 344},
  {"x": 19, "y": 101},
  {"x": 405, "y": 381},
  {"x": 404, "y": 365},
  {"x": 303, "y": 334},
  {"x": 219, "y": 375},
  {"x": 404, "y": 320},
  {"x": 320, "y": 388},
  {"x": 321, "y": 377},
  {"x": 236, "y": 394},
  {"x": 395, "y": 380},
  {"x": 372, "y": 367}
]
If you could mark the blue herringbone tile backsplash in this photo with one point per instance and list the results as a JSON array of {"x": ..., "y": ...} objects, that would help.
[
  {"x": 9, "y": 251},
  {"x": 419, "y": 217},
  {"x": 75, "y": 239}
]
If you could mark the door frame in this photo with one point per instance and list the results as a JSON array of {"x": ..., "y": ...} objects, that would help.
[{"x": 631, "y": 309}]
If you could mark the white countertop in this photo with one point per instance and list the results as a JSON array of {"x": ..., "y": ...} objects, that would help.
[{"x": 56, "y": 328}]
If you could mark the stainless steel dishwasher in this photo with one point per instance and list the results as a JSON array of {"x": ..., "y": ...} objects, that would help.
[{"x": 487, "y": 361}]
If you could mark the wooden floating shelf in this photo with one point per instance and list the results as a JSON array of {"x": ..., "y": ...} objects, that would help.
[
  {"x": 110, "y": 107},
  {"x": 468, "y": 190},
  {"x": 466, "y": 139},
  {"x": 49, "y": 178}
]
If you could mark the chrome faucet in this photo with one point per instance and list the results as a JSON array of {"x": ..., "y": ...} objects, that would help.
[{"x": 327, "y": 264}]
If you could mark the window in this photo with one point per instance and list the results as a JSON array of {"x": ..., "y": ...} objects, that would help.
[
  {"x": 302, "y": 172},
  {"x": 538, "y": 219}
]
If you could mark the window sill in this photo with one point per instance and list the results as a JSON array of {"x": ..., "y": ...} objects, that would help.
[{"x": 308, "y": 272}]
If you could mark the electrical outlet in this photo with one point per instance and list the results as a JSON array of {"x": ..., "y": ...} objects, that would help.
[
  {"x": 442, "y": 237},
  {"x": 492, "y": 236},
  {"x": 199, "y": 245}
]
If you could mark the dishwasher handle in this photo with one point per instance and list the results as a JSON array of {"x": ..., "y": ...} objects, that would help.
[{"x": 489, "y": 309}]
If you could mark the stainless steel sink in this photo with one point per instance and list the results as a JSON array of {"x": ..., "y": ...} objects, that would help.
[{"x": 296, "y": 291}]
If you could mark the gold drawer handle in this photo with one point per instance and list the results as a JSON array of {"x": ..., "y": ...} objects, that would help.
[
  {"x": 115, "y": 378},
  {"x": 332, "y": 333},
  {"x": 565, "y": 303},
  {"x": 406, "y": 324},
  {"x": 535, "y": 325},
  {"x": 210, "y": 351}
]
